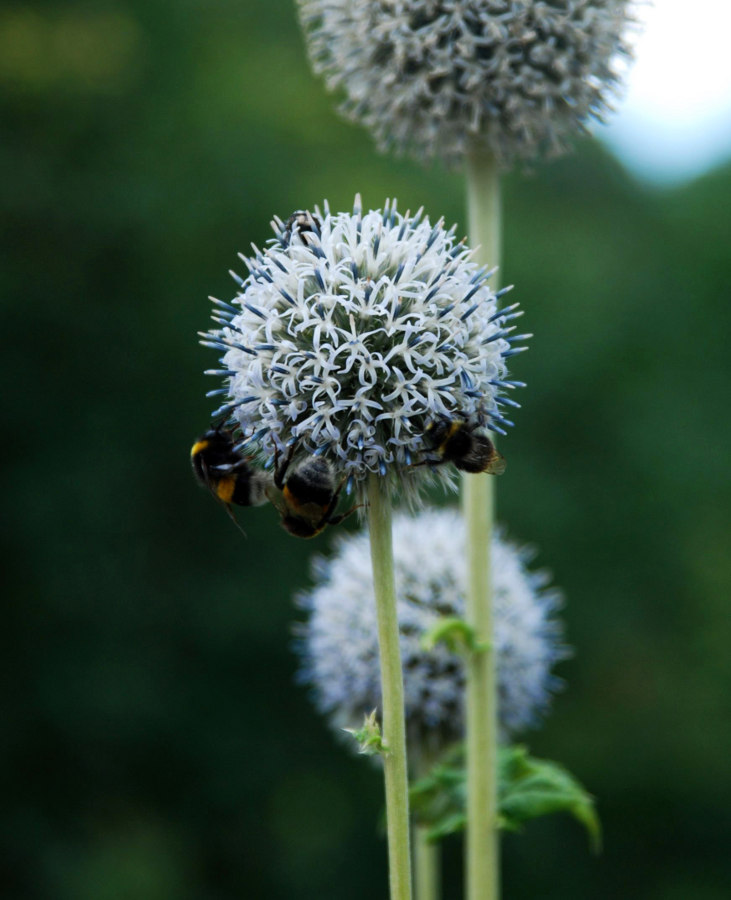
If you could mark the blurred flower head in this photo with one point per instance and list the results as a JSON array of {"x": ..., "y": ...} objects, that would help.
[
  {"x": 352, "y": 334},
  {"x": 338, "y": 643},
  {"x": 428, "y": 77}
]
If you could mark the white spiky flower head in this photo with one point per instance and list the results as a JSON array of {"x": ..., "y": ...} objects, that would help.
[
  {"x": 352, "y": 333},
  {"x": 339, "y": 647},
  {"x": 430, "y": 77}
]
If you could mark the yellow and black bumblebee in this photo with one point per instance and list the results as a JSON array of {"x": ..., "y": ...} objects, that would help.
[
  {"x": 307, "y": 498},
  {"x": 467, "y": 446},
  {"x": 218, "y": 466}
]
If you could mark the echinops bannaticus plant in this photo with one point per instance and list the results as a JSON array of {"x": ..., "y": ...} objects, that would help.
[
  {"x": 430, "y": 78},
  {"x": 484, "y": 84},
  {"x": 360, "y": 351}
]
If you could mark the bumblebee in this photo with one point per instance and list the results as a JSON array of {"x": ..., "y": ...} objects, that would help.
[
  {"x": 300, "y": 222},
  {"x": 218, "y": 466},
  {"x": 458, "y": 442},
  {"x": 308, "y": 497}
]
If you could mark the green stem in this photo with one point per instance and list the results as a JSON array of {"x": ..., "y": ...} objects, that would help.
[
  {"x": 426, "y": 865},
  {"x": 482, "y": 847},
  {"x": 392, "y": 691},
  {"x": 427, "y": 854}
]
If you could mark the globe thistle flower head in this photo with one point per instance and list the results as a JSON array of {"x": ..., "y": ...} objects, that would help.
[
  {"x": 430, "y": 77},
  {"x": 352, "y": 334},
  {"x": 339, "y": 647}
]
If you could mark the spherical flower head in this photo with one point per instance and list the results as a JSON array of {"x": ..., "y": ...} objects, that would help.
[
  {"x": 352, "y": 334},
  {"x": 339, "y": 646},
  {"x": 430, "y": 77}
]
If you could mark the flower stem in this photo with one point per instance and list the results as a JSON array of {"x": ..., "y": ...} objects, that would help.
[
  {"x": 482, "y": 847},
  {"x": 426, "y": 865},
  {"x": 392, "y": 691},
  {"x": 427, "y": 854}
]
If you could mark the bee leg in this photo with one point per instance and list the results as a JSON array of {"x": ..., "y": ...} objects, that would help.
[
  {"x": 233, "y": 518},
  {"x": 329, "y": 518},
  {"x": 428, "y": 462},
  {"x": 336, "y": 520},
  {"x": 280, "y": 470}
]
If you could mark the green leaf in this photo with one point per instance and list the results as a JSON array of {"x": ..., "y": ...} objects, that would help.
[
  {"x": 527, "y": 788},
  {"x": 530, "y": 787},
  {"x": 456, "y": 634},
  {"x": 437, "y": 801}
]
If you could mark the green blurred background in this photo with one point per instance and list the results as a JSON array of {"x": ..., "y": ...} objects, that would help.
[{"x": 155, "y": 744}]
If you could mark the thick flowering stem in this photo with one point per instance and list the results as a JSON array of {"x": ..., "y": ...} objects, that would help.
[
  {"x": 392, "y": 689},
  {"x": 427, "y": 854},
  {"x": 482, "y": 847},
  {"x": 426, "y": 865}
]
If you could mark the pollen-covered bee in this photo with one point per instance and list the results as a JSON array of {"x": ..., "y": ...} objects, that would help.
[
  {"x": 307, "y": 498},
  {"x": 299, "y": 222},
  {"x": 465, "y": 445},
  {"x": 218, "y": 466}
]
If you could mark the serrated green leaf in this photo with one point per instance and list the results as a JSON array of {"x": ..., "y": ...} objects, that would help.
[
  {"x": 530, "y": 787},
  {"x": 527, "y": 788}
]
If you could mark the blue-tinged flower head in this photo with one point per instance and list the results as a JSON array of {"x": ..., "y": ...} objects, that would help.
[
  {"x": 353, "y": 334},
  {"x": 428, "y": 77},
  {"x": 338, "y": 643}
]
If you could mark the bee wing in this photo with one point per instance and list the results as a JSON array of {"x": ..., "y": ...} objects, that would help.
[
  {"x": 497, "y": 464},
  {"x": 205, "y": 471},
  {"x": 227, "y": 468},
  {"x": 274, "y": 496}
]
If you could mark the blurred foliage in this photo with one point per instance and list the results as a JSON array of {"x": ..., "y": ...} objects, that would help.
[
  {"x": 156, "y": 746},
  {"x": 527, "y": 789}
]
